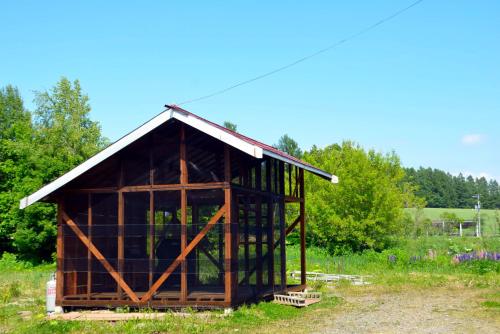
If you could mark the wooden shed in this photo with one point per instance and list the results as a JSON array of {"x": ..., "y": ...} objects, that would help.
[{"x": 179, "y": 212}]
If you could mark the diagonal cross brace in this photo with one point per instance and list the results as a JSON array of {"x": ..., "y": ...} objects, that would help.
[
  {"x": 184, "y": 254},
  {"x": 290, "y": 228},
  {"x": 98, "y": 255}
]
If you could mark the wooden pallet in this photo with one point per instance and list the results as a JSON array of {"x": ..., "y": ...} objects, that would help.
[
  {"x": 298, "y": 299},
  {"x": 306, "y": 295},
  {"x": 330, "y": 278}
]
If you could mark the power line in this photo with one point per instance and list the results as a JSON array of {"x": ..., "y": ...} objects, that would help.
[{"x": 300, "y": 60}]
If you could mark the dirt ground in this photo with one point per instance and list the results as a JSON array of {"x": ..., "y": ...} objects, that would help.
[{"x": 424, "y": 311}]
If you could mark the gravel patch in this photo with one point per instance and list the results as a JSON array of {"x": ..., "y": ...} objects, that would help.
[{"x": 428, "y": 311}]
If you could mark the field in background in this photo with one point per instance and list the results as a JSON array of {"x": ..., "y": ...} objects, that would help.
[{"x": 489, "y": 223}]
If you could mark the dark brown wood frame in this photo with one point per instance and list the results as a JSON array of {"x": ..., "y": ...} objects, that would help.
[{"x": 276, "y": 186}]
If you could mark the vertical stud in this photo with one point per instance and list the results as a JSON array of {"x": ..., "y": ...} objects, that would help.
[
  {"x": 184, "y": 181},
  {"x": 302, "y": 229}
]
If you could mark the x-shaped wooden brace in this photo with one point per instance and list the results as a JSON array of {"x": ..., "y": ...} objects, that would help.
[
  {"x": 119, "y": 279},
  {"x": 98, "y": 255},
  {"x": 182, "y": 256}
]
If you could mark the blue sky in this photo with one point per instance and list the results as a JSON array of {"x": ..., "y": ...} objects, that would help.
[{"x": 426, "y": 84}]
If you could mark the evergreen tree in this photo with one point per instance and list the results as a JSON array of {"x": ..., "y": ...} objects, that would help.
[
  {"x": 290, "y": 146},
  {"x": 230, "y": 126}
]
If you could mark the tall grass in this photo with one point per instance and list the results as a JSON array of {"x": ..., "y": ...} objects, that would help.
[{"x": 431, "y": 255}]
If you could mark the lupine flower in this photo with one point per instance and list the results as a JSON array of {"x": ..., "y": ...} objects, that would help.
[{"x": 481, "y": 255}]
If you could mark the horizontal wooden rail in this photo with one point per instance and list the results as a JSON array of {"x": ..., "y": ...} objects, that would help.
[{"x": 175, "y": 186}]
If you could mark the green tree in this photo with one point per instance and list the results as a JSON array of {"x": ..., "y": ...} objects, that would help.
[
  {"x": 63, "y": 136},
  {"x": 365, "y": 209},
  {"x": 15, "y": 161},
  {"x": 230, "y": 126},
  {"x": 290, "y": 146},
  {"x": 64, "y": 129}
]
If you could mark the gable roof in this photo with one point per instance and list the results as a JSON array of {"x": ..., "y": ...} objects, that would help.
[{"x": 234, "y": 139}]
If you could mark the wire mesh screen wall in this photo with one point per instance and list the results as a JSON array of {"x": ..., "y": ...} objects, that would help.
[
  {"x": 150, "y": 226},
  {"x": 152, "y": 242}
]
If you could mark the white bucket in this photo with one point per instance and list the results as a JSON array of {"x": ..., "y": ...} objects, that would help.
[{"x": 50, "y": 300}]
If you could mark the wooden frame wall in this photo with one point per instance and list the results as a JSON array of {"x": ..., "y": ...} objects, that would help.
[{"x": 275, "y": 192}]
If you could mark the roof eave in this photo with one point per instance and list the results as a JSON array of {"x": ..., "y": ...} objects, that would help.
[{"x": 327, "y": 176}]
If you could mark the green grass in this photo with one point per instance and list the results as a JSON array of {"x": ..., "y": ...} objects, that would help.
[
  {"x": 412, "y": 263},
  {"x": 22, "y": 288},
  {"x": 488, "y": 217}
]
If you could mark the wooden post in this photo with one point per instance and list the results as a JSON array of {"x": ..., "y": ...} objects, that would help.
[
  {"x": 302, "y": 228},
  {"x": 120, "y": 240},
  {"x": 184, "y": 181},
  {"x": 121, "y": 244},
  {"x": 282, "y": 224},
  {"x": 258, "y": 229},
  {"x": 60, "y": 253},
  {"x": 221, "y": 253},
  {"x": 89, "y": 254},
  {"x": 270, "y": 226},
  {"x": 151, "y": 236},
  {"x": 229, "y": 284},
  {"x": 151, "y": 215},
  {"x": 290, "y": 180},
  {"x": 246, "y": 239}
]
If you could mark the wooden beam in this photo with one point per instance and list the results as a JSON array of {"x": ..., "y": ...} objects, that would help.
[
  {"x": 220, "y": 241},
  {"x": 246, "y": 246},
  {"x": 228, "y": 240},
  {"x": 290, "y": 228},
  {"x": 60, "y": 253},
  {"x": 258, "y": 227},
  {"x": 154, "y": 187},
  {"x": 89, "y": 254},
  {"x": 281, "y": 209},
  {"x": 270, "y": 225},
  {"x": 180, "y": 186},
  {"x": 184, "y": 254},
  {"x": 98, "y": 255},
  {"x": 256, "y": 192},
  {"x": 121, "y": 241},
  {"x": 151, "y": 236},
  {"x": 302, "y": 228},
  {"x": 289, "y": 180},
  {"x": 292, "y": 199},
  {"x": 184, "y": 291},
  {"x": 184, "y": 181}
]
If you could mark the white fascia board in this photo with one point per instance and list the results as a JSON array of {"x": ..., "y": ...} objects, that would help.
[
  {"x": 96, "y": 159},
  {"x": 319, "y": 172},
  {"x": 219, "y": 134}
]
